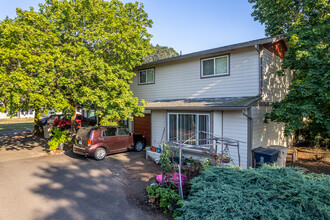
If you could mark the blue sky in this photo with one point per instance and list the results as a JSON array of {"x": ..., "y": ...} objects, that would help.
[{"x": 185, "y": 25}]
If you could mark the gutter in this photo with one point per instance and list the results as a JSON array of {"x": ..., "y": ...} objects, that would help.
[{"x": 197, "y": 108}]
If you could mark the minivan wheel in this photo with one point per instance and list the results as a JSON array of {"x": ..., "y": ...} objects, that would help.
[
  {"x": 100, "y": 153},
  {"x": 139, "y": 145}
]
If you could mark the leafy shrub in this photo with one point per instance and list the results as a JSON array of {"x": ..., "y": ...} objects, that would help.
[
  {"x": 58, "y": 137},
  {"x": 265, "y": 193},
  {"x": 192, "y": 168},
  {"x": 165, "y": 198}
]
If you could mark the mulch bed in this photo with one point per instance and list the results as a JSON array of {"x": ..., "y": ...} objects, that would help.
[
  {"x": 139, "y": 174},
  {"x": 313, "y": 160}
]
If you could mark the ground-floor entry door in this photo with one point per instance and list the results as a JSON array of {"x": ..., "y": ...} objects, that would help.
[{"x": 142, "y": 125}]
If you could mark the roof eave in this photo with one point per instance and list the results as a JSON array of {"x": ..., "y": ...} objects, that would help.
[
  {"x": 197, "y": 108},
  {"x": 216, "y": 50}
]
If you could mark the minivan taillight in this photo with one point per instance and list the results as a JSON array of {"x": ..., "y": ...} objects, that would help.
[{"x": 89, "y": 142}]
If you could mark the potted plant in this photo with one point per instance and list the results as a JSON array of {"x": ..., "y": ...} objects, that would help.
[
  {"x": 152, "y": 192},
  {"x": 220, "y": 159},
  {"x": 58, "y": 139},
  {"x": 154, "y": 149}
]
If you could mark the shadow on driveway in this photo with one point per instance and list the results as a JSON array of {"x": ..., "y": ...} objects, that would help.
[
  {"x": 88, "y": 189},
  {"x": 16, "y": 145},
  {"x": 21, "y": 140}
]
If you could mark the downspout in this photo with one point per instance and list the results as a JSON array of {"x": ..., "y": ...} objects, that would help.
[
  {"x": 259, "y": 69},
  {"x": 247, "y": 114}
]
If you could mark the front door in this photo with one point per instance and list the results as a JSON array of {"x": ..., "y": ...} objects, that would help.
[{"x": 142, "y": 125}]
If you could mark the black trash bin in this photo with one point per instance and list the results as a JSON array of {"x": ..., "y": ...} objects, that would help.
[{"x": 264, "y": 155}]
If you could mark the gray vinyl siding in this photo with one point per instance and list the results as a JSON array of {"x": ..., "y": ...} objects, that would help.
[
  {"x": 267, "y": 134},
  {"x": 235, "y": 127},
  {"x": 217, "y": 123},
  {"x": 274, "y": 87},
  {"x": 158, "y": 135},
  {"x": 183, "y": 79}
]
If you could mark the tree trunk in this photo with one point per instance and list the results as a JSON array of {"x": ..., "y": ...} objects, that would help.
[
  {"x": 73, "y": 121},
  {"x": 37, "y": 130}
]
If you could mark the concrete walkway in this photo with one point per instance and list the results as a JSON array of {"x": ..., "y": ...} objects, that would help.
[{"x": 68, "y": 187}]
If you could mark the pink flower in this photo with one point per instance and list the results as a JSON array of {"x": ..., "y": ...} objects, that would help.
[{"x": 173, "y": 178}]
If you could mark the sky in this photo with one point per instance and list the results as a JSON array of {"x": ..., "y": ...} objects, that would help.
[{"x": 186, "y": 25}]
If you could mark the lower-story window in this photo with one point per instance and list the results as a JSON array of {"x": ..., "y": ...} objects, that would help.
[{"x": 184, "y": 126}]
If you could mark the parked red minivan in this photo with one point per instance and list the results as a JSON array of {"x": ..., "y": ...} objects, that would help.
[{"x": 97, "y": 142}]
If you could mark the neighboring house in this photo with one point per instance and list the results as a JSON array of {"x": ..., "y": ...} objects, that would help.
[
  {"x": 20, "y": 114},
  {"x": 225, "y": 91}
]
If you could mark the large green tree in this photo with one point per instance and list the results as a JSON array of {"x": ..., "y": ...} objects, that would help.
[
  {"x": 159, "y": 53},
  {"x": 101, "y": 42},
  {"x": 305, "y": 23},
  {"x": 88, "y": 49}
]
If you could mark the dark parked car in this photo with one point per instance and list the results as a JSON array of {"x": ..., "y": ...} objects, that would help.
[
  {"x": 43, "y": 122},
  {"x": 64, "y": 121},
  {"x": 97, "y": 142}
]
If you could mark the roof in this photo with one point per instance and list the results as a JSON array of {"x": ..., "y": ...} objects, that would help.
[
  {"x": 227, "y": 103},
  {"x": 218, "y": 50}
]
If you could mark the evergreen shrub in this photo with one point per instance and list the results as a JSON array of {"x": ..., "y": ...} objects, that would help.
[{"x": 268, "y": 192}]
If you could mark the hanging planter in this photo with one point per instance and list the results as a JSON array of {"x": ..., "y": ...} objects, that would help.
[{"x": 225, "y": 160}]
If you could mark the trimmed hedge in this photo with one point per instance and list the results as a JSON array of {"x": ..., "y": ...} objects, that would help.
[{"x": 265, "y": 193}]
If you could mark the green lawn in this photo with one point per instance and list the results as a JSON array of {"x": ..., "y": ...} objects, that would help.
[
  {"x": 15, "y": 120},
  {"x": 15, "y": 126}
]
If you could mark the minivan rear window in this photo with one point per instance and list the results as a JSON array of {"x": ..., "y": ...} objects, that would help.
[
  {"x": 109, "y": 132},
  {"x": 84, "y": 133}
]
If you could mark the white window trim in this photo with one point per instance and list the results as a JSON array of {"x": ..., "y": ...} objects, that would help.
[
  {"x": 213, "y": 58},
  {"x": 177, "y": 121},
  {"x": 153, "y": 69}
]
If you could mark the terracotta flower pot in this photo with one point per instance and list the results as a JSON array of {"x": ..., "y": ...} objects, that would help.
[
  {"x": 153, "y": 149},
  {"x": 152, "y": 199}
]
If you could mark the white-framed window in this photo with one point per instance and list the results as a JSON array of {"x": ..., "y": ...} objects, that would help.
[
  {"x": 215, "y": 66},
  {"x": 147, "y": 76},
  {"x": 184, "y": 126}
]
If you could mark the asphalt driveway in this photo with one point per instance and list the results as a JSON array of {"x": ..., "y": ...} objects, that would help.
[{"x": 73, "y": 187}]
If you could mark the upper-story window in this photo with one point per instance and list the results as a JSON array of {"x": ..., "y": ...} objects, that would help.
[
  {"x": 147, "y": 76},
  {"x": 215, "y": 66}
]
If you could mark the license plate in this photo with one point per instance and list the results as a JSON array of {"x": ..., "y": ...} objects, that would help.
[{"x": 80, "y": 142}]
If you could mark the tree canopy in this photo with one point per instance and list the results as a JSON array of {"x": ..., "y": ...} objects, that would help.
[
  {"x": 160, "y": 53},
  {"x": 79, "y": 53},
  {"x": 305, "y": 23},
  {"x": 27, "y": 57}
]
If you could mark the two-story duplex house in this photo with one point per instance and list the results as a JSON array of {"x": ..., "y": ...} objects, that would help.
[{"x": 225, "y": 91}]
